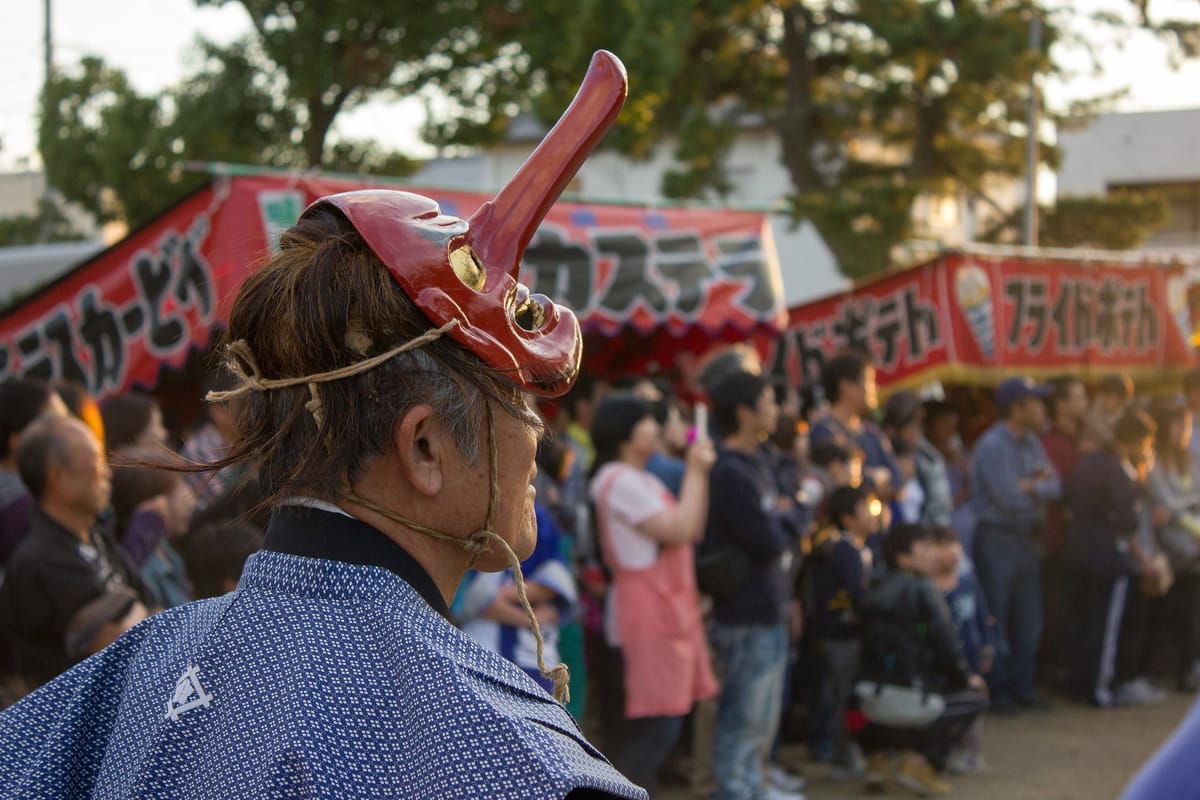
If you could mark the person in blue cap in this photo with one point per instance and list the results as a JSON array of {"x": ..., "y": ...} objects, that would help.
[{"x": 1012, "y": 479}]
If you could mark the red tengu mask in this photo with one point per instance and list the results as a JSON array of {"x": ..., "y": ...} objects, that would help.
[{"x": 466, "y": 270}]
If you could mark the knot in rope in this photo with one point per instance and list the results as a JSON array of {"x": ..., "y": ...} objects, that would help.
[{"x": 479, "y": 543}]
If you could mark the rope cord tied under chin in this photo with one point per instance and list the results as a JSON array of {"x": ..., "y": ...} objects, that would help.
[
  {"x": 240, "y": 360},
  {"x": 477, "y": 544}
]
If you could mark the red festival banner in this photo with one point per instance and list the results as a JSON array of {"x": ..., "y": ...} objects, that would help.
[
  {"x": 975, "y": 319},
  {"x": 645, "y": 283}
]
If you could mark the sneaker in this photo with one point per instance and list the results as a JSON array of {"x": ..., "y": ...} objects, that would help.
[
  {"x": 1190, "y": 682},
  {"x": 913, "y": 772},
  {"x": 780, "y": 778},
  {"x": 850, "y": 765},
  {"x": 772, "y": 793},
  {"x": 879, "y": 769},
  {"x": 964, "y": 762},
  {"x": 1139, "y": 692}
]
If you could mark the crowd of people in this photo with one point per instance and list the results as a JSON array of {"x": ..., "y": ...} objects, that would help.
[
  {"x": 776, "y": 561},
  {"x": 102, "y": 524},
  {"x": 807, "y": 563}
]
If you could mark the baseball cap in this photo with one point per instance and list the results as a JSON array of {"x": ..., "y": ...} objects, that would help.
[{"x": 1014, "y": 390}]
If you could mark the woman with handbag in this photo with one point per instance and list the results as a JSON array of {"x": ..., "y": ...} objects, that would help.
[
  {"x": 1174, "y": 488},
  {"x": 646, "y": 537}
]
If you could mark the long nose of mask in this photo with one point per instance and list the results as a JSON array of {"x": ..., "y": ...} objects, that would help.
[{"x": 466, "y": 271}]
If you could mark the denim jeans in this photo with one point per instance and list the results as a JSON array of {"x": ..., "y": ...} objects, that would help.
[
  {"x": 1010, "y": 572},
  {"x": 753, "y": 659},
  {"x": 648, "y": 742}
]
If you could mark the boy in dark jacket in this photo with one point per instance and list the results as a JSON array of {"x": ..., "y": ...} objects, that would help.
[
  {"x": 976, "y": 633},
  {"x": 839, "y": 569},
  {"x": 910, "y": 640},
  {"x": 1106, "y": 501}
]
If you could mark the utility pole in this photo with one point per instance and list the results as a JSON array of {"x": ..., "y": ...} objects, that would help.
[
  {"x": 48, "y": 54},
  {"x": 1031, "y": 139},
  {"x": 48, "y": 46}
]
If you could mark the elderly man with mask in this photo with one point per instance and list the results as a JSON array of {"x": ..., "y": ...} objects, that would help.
[{"x": 385, "y": 356}]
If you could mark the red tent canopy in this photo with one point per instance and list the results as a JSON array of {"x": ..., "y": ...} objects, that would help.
[
  {"x": 976, "y": 319},
  {"x": 648, "y": 284}
]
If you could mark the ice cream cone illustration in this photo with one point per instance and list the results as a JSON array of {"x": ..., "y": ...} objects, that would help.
[
  {"x": 973, "y": 291},
  {"x": 1177, "y": 300}
]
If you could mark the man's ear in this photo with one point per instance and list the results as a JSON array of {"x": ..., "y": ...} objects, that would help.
[{"x": 422, "y": 446}]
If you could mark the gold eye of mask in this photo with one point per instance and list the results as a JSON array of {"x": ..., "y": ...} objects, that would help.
[
  {"x": 530, "y": 314},
  {"x": 467, "y": 267}
]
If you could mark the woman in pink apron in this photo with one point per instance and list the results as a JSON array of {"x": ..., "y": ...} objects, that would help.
[{"x": 647, "y": 536}]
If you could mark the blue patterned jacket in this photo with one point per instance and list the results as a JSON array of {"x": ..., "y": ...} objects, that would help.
[{"x": 315, "y": 678}]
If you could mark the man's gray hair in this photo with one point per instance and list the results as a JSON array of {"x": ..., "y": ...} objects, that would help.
[{"x": 45, "y": 443}]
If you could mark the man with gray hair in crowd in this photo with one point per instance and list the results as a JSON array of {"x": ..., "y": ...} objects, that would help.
[{"x": 68, "y": 591}]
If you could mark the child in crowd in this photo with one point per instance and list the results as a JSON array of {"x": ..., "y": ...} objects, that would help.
[
  {"x": 903, "y": 417},
  {"x": 910, "y": 643},
  {"x": 215, "y": 554},
  {"x": 490, "y": 611},
  {"x": 1113, "y": 396},
  {"x": 840, "y": 568},
  {"x": 968, "y": 608},
  {"x": 832, "y": 465},
  {"x": 1111, "y": 560}
]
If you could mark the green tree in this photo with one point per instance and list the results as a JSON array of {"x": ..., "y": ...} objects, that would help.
[
  {"x": 874, "y": 103},
  {"x": 332, "y": 56},
  {"x": 272, "y": 98},
  {"x": 119, "y": 154},
  {"x": 1117, "y": 222}
]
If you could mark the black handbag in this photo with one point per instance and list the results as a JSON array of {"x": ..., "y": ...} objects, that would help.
[{"x": 721, "y": 573}]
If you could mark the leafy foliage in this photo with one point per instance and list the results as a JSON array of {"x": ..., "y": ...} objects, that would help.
[
  {"x": 331, "y": 56},
  {"x": 874, "y": 103},
  {"x": 1117, "y": 222},
  {"x": 120, "y": 154}
]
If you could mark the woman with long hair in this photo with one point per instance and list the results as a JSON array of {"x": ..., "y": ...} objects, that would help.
[
  {"x": 646, "y": 536},
  {"x": 1175, "y": 492}
]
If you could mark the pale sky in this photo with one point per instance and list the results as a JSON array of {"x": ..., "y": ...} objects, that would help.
[{"x": 150, "y": 39}]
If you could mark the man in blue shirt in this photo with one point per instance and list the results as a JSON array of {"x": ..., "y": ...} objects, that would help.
[{"x": 1011, "y": 481}]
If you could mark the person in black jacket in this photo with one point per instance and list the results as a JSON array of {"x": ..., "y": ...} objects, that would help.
[
  {"x": 910, "y": 640},
  {"x": 838, "y": 570},
  {"x": 1107, "y": 505},
  {"x": 754, "y": 526}
]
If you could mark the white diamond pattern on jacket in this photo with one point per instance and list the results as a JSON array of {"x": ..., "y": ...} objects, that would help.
[{"x": 326, "y": 680}]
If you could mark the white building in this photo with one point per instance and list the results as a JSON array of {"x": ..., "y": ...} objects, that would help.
[
  {"x": 1157, "y": 151},
  {"x": 22, "y": 268}
]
